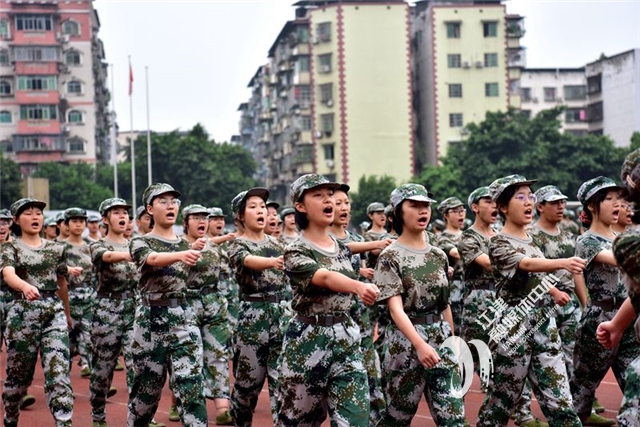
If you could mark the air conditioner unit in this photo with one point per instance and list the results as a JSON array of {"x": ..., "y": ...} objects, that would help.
[
  {"x": 330, "y": 164},
  {"x": 326, "y": 68},
  {"x": 66, "y": 129},
  {"x": 466, "y": 64},
  {"x": 315, "y": 40},
  {"x": 329, "y": 103},
  {"x": 479, "y": 64},
  {"x": 318, "y": 134}
]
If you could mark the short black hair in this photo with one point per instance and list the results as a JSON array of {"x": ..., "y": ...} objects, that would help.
[
  {"x": 595, "y": 201},
  {"x": 398, "y": 223},
  {"x": 302, "y": 220}
]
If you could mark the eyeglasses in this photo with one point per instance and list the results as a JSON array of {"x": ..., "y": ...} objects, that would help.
[
  {"x": 198, "y": 217},
  {"x": 166, "y": 202},
  {"x": 458, "y": 211},
  {"x": 523, "y": 198},
  {"x": 4, "y": 223}
]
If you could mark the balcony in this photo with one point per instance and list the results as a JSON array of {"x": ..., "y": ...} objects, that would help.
[
  {"x": 38, "y": 143},
  {"x": 37, "y": 96},
  {"x": 517, "y": 58},
  {"x": 301, "y": 154},
  {"x": 38, "y": 127},
  {"x": 36, "y": 68}
]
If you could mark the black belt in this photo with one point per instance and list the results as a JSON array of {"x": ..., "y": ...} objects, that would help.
[
  {"x": 117, "y": 295},
  {"x": 208, "y": 290},
  {"x": 167, "y": 302},
  {"x": 261, "y": 298},
  {"x": 43, "y": 295},
  {"x": 323, "y": 319},
  {"x": 543, "y": 302},
  {"x": 608, "y": 303},
  {"x": 484, "y": 285},
  {"x": 80, "y": 286},
  {"x": 426, "y": 319}
]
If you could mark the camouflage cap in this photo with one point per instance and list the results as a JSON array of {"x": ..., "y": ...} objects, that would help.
[
  {"x": 630, "y": 173},
  {"x": 549, "y": 193},
  {"x": 193, "y": 210},
  {"x": 94, "y": 218},
  {"x": 5, "y": 214},
  {"x": 113, "y": 202},
  {"x": 216, "y": 212},
  {"x": 365, "y": 224},
  {"x": 49, "y": 221},
  {"x": 19, "y": 205},
  {"x": 591, "y": 187},
  {"x": 388, "y": 211},
  {"x": 307, "y": 182},
  {"x": 263, "y": 193},
  {"x": 569, "y": 214},
  {"x": 154, "y": 190},
  {"x": 478, "y": 194},
  {"x": 498, "y": 186},
  {"x": 375, "y": 207},
  {"x": 140, "y": 211},
  {"x": 626, "y": 249},
  {"x": 273, "y": 204},
  {"x": 439, "y": 224},
  {"x": 74, "y": 213},
  {"x": 287, "y": 211},
  {"x": 449, "y": 203},
  {"x": 60, "y": 217},
  {"x": 411, "y": 192}
]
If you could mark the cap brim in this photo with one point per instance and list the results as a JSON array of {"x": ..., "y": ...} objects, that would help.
[
  {"x": 174, "y": 193},
  {"x": 522, "y": 183},
  {"x": 263, "y": 193},
  {"x": 422, "y": 198},
  {"x": 344, "y": 188},
  {"x": 555, "y": 198},
  {"x": 275, "y": 205},
  {"x": 37, "y": 204}
]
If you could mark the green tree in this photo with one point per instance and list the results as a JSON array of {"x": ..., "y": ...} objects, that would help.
[
  {"x": 10, "y": 180},
  {"x": 370, "y": 189}
]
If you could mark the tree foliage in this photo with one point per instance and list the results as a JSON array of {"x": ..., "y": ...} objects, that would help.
[
  {"x": 10, "y": 180},
  {"x": 370, "y": 189}
]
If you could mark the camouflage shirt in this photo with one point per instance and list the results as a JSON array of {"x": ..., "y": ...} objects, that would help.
[
  {"x": 39, "y": 266},
  {"x": 555, "y": 246},
  {"x": 419, "y": 276},
  {"x": 79, "y": 256},
  {"x": 264, "y": 282},
  {"x": 570, "y": 227},
  {"x": 372, "y": 236},
  {"x": 171, "y": 278},
  {"x": 356, "y": 260},
  {"x": 447, "y": 241},
  {"x": 225, "y": 263},
  {"x": 206, "y": 272},
  {"x": 302, "y": 259},
  {"x": 602, "y": 280},
  {"x": 470, "y": 246},
  {"x": 113, "y": 276},
  {"x": 286, "y": 239}
]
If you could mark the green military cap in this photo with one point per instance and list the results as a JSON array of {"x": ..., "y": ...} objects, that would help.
[
  {"x": 549, "y": 193},
  {"x": 287, "y": 211},
  {"x": 591, "y": 187},
  {"x": 113, "y": 202},
  {"x": 49, "y": 221},
  {"x": 263, "y": 193},
  {"x": 415, "y": 192},
  {"x": 375, "y": 207},
  {"x": 154, "y": 190},
  {"x": 498, "y": 186},
  {"x": 307, "y": 182},
  {"x": 449, "y": 203},
  {"x": 93, "y": 218},
  {"x": 569, "y": 214},
  {"x": 273, "y": 204},
  {"x": 626, "y": 249},
  {"x": 5, "y": 214},
  {"x": 365, "y": 224},
  {"x": 60, "y": 217},
  {"x": 478, "y": 194},
  {"x": 20, "y": 205},
  {"x": 140, "y": 211},
  {"x": 216, "y": 212},
  {"x": 388, "y": 210},
  {"x": 193, "y": 210},
  {"x": 74, "y": 213},
  {"x": 630, "y": 173}
]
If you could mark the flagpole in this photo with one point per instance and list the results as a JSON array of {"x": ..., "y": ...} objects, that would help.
[
  {"x": 132, "y": 140},
  {"x": 146, "y": 72},
  {"x": 114, "y": 139}
]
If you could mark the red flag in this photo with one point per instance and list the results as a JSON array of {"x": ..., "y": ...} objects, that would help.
[{"x": 130, "y": 79}]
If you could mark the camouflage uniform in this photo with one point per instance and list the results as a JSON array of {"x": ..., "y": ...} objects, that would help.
[
  {"x": 38, "y": 326},
  {"x": 322, "y": 364},
  {"x": 165, "y": 337},
  {"x": 112, "y": 322},
  {"x": 229, "y": 289},
  {"x": 263, "y": 315},
  {"x": 448, "y": 241},
  {"x": 372, "y": 236}
]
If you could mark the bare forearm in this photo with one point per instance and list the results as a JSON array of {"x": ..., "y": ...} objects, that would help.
[
  {"x": 484, "y": 261},
  {"x": 335, "y": 281},
  {"x": 16, "y": 283},
  {"x": 163, "y": 259},
  {"x": 540, "y": 265},
  {"x": 625, "y": 315},
  {"x": 112, "y": 256},
  {"x": 360, "y": 247},
  {"x": 258, "y": 263}
]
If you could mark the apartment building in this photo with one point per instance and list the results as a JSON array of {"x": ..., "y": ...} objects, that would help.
[
  {"x": 544, "y": 88},
  {"x": 467, "y": 60},
  {"x": 613, "y": 96},
  {"x": 53, "y": 95},
  {"x": 335, "y": 95}
]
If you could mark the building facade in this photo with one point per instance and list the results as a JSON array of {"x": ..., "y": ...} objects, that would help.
[
  {"x": 544, "y": 88},
  {"x": 467, "y": 60},
  {"x": 613, "y": 96},
  {"x": 54, "y": 99}
]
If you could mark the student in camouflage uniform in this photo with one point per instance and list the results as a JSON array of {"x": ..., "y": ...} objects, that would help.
[
  {"x": 454, "y": 213},
  {"x": 210, "y": 307},
  {"x": 38, "y": 319},
  {"x": 257, "y": 262},
  {"x": 290, "y": 231},
  {"x": 568, "y": 223},
  {"x": 63, "y": 228},
  {"x": 272, "y": 228},
  {"x": 81, "y": 291},
  {"x": 322, "y": 365},
  {"x": 6, "y": 219},
  {"x": 113, "y": 308},
  {"x": 50, "y": 230},
  {"x": 412, "y": 275},
  {"x": 600, "y": 198},
  {"x": 375, "y": 212},
  {"x": 166, "y": 336},
  {"x": 144, "y": 222},
  {"x": 93, "y": 225},
  {"x": 528, "y": 342},
  {"x": 625, "y": 217}
]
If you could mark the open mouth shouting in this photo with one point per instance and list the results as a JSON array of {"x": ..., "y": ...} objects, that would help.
[
  {"x": 615, "y": 214},
  {"x": 423, "y": 221},
  {"x": 528, "y": 213},
  {"x": 260, "y": 220}
]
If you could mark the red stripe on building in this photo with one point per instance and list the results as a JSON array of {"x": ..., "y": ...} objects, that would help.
[{"x": 343, "y": 102}]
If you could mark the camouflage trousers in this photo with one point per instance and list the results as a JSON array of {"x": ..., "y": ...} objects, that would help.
[
  {"x": 212, "y": 319},
  {"x": 5, "y": 299},
  {"x": 81, "y": 304},
  {"x": 38, "y": 327},
  {"x": 407, "y": 380},
  {"x": 322, "y": 370},
  {"x": 456, "y": 302},
  {"x": 166, "y": 339},
  {"x": 537, "y": 356},
  {"x": 229, "y": 289},
  {"x": 258, "y": 344},
  {"x": 111, "y": 330},
  {"x": 629, "y": 413},
  {"x": 592, "y": 360}
]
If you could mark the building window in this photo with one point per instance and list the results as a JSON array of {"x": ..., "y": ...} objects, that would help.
[
  {"x": 595, "y": 112},
  {"x": 74, "y": 87},
  {"x": 4, "y": 28},
  {"x": 491, "y": 89},
  {"x": 327, "y": 122},
  {"x": 490, "y": 59},
  {"x": 490, "y": 29},
  {"x": 37, "y": 83},
  {"x": 455, "y": 120},
  {"x": 303, "y": 62},
  {"x": 573, "y": 115},
  {"x": 5, "y": 88},
  {"x": 323, "y": 31},
  {"x": 303, "y": 34},
  {"x": 34, "y": 23},
  {"x": 575, "y": 93},
  {"x": 36, "y": 54},
  {"x": 453, "y": 30},
  {"x": 76, "y": 145},
  {"x": 454, "y": 60},
  {"x": 325, "y": 63},
  {"x": 75, "y": 116},
  {"x": 38, "y": 112},
  {"x": 5, "y": 116},
  {"x": 329, "y": 151},
  {"x": 455, "y": 90},
  {"x": 525, "y": 94},
  {"x": 6, "y": 146},
  {"x": 594, "y": 84},
  {"x": 326, "y": 92},
  {"x": 302, "y": 93},
  {"x": 549, "y": 94},
  {"x": 71, "y": 28},
  {"x": 4, "y": 57},
  {"x": 72, "y": 57},
  {"x": 306, "y": 122}
]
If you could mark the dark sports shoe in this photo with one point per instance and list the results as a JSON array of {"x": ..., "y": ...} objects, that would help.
[
  {"x": 112, "y": 391},
  {"x": 27, "y": 401}
]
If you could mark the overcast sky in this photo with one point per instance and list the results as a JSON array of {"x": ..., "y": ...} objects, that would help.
[{"x": 202, "y": 54}]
